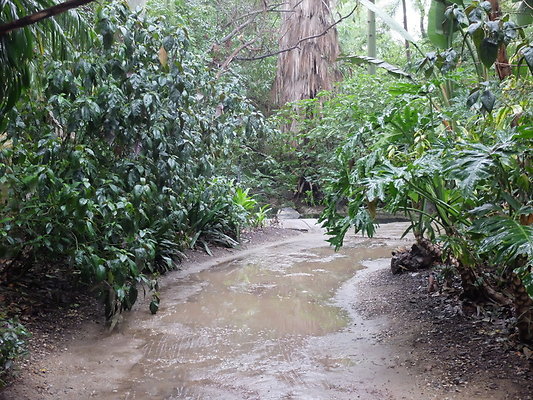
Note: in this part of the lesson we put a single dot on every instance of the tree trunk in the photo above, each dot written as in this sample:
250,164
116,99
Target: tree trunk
523,305
405,26
372,50
308,69
503,68
423,32
471,290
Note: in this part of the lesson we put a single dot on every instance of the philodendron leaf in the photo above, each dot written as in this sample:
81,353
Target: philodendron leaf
487,100
528,56
391,69
488,51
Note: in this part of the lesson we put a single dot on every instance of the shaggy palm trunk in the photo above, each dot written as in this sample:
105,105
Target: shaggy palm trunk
523,305
308,68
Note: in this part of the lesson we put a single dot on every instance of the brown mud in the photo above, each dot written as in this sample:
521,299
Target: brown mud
286,319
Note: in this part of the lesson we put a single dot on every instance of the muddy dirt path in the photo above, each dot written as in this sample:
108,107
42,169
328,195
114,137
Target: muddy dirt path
278,321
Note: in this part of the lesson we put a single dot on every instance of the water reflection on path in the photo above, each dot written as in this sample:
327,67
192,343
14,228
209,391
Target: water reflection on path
268,326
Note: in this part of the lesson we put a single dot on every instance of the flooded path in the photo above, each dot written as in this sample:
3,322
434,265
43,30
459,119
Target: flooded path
277,321
273,325
274,322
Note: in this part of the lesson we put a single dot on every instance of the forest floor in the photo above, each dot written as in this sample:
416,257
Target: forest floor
417,344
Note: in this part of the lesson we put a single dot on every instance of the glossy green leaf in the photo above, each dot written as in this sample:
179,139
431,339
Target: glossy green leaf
437,33
488,52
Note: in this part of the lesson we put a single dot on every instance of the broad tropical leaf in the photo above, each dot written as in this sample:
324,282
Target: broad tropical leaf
437,33
388,20
506,237
474,165
391,69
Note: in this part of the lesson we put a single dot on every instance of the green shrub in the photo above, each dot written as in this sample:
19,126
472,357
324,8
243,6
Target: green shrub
13,337
111,171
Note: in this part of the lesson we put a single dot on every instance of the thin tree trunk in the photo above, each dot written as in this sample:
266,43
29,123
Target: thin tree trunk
503,68
405,26
423,32
372,50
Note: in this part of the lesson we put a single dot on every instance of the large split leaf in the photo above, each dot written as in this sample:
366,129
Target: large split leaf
437,32
388,20
391,69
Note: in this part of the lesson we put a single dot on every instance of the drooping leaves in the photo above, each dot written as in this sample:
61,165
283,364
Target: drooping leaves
488,51
391,69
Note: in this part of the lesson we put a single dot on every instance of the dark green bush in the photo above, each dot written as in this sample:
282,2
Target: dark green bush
112,171
13,337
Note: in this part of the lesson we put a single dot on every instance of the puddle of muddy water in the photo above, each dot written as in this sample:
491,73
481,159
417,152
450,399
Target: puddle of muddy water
276,324
265,327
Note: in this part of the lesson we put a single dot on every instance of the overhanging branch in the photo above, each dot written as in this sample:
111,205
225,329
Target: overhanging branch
40,15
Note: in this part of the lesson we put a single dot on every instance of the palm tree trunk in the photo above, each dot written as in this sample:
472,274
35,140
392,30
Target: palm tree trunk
523,305
308,68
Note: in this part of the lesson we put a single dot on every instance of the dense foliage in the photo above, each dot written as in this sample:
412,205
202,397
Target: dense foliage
12,344
453,153
112,167
296,160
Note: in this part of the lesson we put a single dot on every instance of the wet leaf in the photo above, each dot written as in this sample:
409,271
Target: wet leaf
487,100
528,56
488,51
154,306
473,98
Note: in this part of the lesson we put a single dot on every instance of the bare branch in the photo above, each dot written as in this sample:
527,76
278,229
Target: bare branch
238,29
297,44
232,56
40,15
266,8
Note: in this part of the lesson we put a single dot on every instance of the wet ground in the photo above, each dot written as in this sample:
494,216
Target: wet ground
274,322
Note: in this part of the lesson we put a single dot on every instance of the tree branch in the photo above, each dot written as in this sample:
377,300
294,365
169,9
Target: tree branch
40,15
275,53
266,7
232,56
251,18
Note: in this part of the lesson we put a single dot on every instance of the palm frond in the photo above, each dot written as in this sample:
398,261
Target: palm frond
54,37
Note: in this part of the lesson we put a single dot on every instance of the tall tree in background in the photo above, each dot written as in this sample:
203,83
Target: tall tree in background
405,26
308,68
372,48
